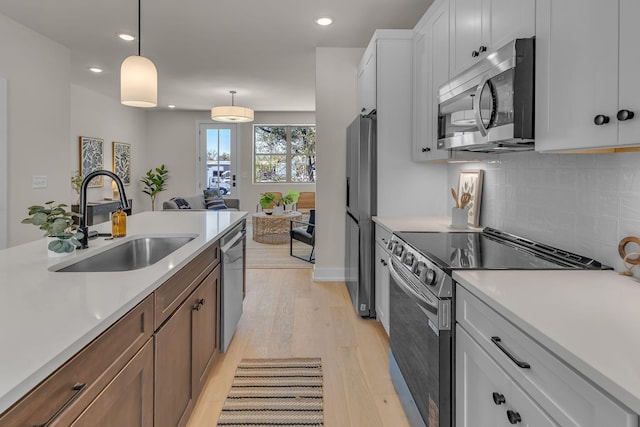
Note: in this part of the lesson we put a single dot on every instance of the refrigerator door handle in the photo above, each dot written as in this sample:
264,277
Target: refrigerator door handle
348,188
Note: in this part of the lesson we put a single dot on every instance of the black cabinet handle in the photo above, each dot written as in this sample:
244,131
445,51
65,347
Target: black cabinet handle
624,115
482,49
426,149
498,342
498,398
475,54
363,110
601,119
514,417
77,388
198,304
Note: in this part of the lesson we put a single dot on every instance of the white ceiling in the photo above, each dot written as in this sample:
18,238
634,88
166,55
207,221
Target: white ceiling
263,49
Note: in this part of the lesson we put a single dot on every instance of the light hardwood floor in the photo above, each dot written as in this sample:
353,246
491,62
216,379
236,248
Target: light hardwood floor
286,314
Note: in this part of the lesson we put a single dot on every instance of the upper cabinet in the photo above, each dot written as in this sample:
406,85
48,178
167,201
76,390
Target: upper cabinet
431,70
587,91
367,81
480,26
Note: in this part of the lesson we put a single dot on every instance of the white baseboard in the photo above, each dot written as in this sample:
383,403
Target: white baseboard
328,274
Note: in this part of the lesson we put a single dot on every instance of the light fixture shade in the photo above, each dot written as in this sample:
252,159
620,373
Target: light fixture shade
232,113
138,82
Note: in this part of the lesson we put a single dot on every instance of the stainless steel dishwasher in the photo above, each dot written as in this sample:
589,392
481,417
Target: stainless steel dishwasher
232,248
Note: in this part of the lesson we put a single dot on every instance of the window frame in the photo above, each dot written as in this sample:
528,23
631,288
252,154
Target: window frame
288,153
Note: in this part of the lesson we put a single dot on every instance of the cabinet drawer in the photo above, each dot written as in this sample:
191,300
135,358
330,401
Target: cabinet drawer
175,290
564,394
59,398
382,236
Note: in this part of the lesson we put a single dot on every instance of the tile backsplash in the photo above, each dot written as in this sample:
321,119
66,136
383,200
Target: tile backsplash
583,203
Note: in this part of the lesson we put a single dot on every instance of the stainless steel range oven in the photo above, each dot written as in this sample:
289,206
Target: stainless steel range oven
422,302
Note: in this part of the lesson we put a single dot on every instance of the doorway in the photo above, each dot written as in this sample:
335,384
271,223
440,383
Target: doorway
218,158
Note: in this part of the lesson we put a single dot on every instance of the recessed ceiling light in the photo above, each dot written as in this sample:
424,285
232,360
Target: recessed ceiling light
324,21
126,37
171,106
95,69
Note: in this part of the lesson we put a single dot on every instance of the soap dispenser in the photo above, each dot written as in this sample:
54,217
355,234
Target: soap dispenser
119,223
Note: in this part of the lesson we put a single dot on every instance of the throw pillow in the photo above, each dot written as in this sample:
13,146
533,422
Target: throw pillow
215,203
181,203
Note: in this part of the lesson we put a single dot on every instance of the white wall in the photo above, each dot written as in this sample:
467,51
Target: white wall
173,138
96,115
336,104
38,122
583,203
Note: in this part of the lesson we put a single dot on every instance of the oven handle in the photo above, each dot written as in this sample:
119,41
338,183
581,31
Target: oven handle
422,300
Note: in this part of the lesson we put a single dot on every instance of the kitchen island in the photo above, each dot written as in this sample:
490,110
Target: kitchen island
47,317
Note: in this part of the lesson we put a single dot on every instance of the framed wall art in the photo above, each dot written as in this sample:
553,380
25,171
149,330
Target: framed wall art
92,159
470,181
121,161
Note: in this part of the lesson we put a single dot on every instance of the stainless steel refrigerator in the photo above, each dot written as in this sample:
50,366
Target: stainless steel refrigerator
361,206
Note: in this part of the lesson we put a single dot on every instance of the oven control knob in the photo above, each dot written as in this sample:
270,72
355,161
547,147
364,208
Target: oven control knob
418,269
391,244
398,250
408,259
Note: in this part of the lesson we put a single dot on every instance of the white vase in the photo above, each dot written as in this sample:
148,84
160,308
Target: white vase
278,210
459,218
53,254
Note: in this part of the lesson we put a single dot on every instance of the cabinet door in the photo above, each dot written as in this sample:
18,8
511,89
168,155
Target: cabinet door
174,398
367,81
485,395
431,69
205,328
576,74
128,399
466,33
629,130
382,286
506,20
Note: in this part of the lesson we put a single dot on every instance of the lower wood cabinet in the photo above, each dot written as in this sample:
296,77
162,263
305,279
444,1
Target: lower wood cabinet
185,346
128,399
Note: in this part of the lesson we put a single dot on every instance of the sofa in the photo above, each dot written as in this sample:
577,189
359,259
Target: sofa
196,203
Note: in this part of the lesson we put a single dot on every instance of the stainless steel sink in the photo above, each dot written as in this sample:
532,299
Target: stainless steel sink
139,252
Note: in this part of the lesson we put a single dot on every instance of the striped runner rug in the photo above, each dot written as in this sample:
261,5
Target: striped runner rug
275,392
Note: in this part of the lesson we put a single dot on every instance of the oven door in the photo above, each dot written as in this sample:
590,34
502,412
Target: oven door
421,344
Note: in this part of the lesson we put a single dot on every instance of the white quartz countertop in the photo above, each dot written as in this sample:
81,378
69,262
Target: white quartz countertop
419,223
589,319
46,317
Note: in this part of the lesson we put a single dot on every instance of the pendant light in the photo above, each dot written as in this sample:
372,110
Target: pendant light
232,113
138,78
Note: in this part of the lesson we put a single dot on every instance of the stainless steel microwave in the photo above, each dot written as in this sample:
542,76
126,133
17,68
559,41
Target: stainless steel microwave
490,106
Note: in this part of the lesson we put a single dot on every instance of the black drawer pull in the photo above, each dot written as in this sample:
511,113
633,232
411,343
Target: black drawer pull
514,417
498,342
498,398
198,304
77,388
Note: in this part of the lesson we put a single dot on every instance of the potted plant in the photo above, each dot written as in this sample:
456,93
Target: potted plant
266,200
58,225
154,182
289,198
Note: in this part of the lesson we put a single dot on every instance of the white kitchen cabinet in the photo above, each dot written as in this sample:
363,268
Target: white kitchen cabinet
382,276
585,78
485,395
431,70
568,398
480,26
367,81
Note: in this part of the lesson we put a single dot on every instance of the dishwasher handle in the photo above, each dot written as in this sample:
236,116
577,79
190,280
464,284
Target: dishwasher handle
240,235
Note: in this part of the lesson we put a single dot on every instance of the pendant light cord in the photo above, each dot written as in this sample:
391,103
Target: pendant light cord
139,27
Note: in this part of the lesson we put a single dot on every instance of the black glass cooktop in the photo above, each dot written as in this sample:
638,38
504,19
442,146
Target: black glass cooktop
493,250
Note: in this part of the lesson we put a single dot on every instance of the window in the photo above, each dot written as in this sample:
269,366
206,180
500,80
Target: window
284,153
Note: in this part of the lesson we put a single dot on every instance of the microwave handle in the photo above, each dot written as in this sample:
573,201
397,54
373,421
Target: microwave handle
476,107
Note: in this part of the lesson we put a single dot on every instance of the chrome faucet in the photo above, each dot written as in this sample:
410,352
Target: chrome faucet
82,208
